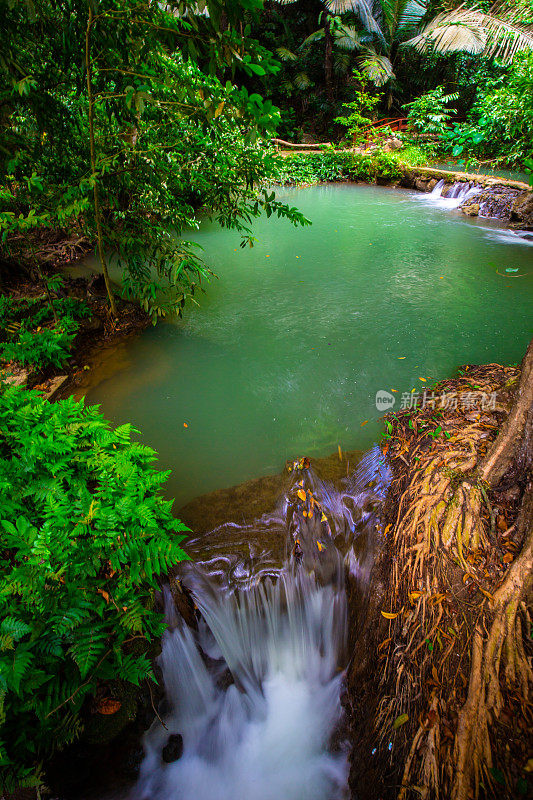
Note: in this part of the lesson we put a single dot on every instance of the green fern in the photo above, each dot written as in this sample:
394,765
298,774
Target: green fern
84,533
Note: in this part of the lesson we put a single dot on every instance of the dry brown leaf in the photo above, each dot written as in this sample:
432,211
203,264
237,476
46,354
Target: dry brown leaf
107,705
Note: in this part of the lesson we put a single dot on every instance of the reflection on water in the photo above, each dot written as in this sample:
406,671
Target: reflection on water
288,348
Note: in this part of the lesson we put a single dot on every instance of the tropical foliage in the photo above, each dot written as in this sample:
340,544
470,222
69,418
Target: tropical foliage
84,534
430,113
335,165
128,123
39,334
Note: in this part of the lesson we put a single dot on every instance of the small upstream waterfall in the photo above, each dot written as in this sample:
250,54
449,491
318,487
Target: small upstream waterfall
253,693
456,196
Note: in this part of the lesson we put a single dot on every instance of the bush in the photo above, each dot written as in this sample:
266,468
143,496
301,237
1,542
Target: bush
84,534
27,342
500,124
338,165
41,349
429,113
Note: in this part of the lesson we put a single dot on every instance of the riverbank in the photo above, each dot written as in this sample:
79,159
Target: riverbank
494,198
93,331
440,680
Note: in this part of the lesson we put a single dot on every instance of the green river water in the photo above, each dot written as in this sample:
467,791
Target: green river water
287,349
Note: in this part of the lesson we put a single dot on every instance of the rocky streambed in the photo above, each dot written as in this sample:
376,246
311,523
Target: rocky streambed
483,195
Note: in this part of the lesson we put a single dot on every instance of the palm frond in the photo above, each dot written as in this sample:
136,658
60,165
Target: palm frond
347,38
363,8
411,15
314,37
376,67
285,54
497,34
341,62
302,81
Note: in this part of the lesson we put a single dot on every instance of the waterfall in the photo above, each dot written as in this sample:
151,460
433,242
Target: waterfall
253,694
456,195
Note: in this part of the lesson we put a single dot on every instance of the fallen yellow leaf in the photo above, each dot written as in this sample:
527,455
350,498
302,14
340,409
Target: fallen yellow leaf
388,615
399,721
301,494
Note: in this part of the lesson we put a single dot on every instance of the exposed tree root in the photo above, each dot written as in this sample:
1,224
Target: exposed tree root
461,582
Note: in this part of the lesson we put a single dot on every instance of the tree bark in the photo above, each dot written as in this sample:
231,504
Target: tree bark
328,59
514,440
97,209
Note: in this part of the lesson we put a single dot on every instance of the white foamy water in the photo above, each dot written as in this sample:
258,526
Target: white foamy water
266,736
456,196
511,237
253,694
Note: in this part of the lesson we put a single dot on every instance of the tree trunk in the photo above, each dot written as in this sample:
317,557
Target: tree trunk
513,445
97,209
498,657
328,59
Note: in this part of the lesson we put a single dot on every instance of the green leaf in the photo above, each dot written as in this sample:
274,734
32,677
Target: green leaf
399,721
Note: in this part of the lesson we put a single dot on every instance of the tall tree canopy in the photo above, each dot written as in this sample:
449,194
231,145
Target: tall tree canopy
128,117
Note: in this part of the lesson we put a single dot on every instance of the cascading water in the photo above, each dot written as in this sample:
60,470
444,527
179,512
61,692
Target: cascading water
456,196
253,693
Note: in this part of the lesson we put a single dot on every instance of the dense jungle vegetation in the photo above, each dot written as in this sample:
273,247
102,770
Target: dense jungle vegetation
121,121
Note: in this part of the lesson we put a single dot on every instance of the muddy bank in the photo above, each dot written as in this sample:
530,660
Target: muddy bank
98,335
440,683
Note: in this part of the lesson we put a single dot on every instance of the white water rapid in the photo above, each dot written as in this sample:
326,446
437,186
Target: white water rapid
253,694
456,195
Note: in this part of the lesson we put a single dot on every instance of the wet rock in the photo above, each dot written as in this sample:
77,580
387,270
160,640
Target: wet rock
522,210
173,750
431,184
54,386
470,209
421,184
496,202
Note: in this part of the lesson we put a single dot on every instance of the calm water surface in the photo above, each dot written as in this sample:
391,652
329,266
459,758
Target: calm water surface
289,346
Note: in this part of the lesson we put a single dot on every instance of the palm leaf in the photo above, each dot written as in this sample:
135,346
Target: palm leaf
314,37
285,54
500,33
363,8
376,67
347,38
302,81
341,62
